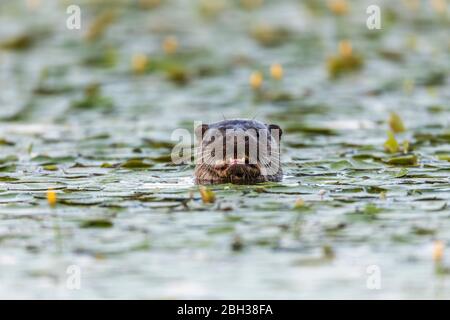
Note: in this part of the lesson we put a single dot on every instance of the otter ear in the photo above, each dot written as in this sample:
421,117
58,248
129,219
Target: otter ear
275,129
200,131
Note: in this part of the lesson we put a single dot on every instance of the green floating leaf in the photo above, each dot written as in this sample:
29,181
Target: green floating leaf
18,42
178,75
97,223
309,130
93,99
433,138
7,179
421,231
4,142
8,159
401,173
361,164
46,160
339,165
166,158
270,35
104,58
7,168
157,144
136,164
106,165
432,78
407,160
444,157
221,230
371,209
51,167
374,189
99,136
339,65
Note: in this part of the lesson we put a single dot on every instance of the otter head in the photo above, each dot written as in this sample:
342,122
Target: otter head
238,151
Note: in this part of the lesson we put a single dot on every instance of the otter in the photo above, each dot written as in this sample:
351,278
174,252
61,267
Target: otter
238,151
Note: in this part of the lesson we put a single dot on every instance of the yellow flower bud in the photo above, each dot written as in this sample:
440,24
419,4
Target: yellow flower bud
149,4
396,123
438,250
276,71
440,6
251,4
256,80
345,48
51,198
208,196
391,144
33,4
170,45
139,62
299,203
339,7
412,4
